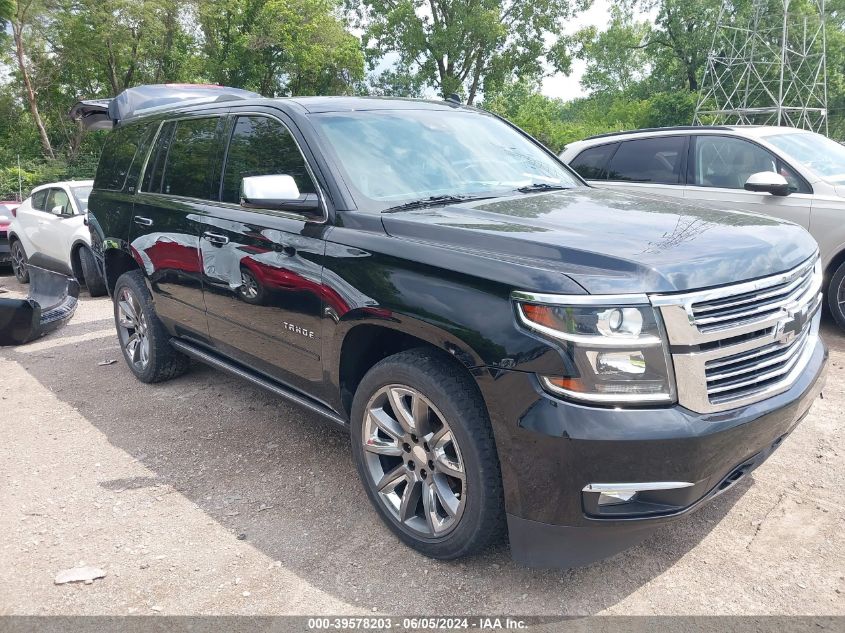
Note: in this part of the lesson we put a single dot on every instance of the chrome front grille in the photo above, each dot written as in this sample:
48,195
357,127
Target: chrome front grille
753,371
736,345
756,305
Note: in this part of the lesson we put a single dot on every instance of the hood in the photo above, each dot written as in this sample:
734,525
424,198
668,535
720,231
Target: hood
610,242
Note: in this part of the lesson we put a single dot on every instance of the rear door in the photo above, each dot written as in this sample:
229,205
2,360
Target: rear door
653,165
262,268
720,165
178,182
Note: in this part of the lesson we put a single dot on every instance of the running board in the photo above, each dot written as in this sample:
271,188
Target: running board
217,362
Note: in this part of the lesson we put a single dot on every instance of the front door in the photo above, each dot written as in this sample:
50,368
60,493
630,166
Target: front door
261,268
719,167
167,218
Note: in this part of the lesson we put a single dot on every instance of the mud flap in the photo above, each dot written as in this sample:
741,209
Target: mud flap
51,303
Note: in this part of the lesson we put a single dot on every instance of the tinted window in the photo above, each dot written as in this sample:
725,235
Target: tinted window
590,163
118,154
191,159
261,146
722,161
155,163
39,200
655,160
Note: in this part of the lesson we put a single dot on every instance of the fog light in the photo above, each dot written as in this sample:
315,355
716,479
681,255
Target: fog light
612,497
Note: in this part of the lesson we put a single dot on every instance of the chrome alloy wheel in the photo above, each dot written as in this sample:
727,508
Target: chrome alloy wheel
18,260
132,329
413,461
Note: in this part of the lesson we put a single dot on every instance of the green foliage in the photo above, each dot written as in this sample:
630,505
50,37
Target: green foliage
638,73
556,123
464,46
279,47
97,48
37,172
616,57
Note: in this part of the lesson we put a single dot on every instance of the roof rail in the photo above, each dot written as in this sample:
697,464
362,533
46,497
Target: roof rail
103,114
662,129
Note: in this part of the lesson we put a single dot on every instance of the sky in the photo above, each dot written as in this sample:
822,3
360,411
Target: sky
566,87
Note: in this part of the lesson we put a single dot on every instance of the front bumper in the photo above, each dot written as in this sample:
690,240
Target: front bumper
51,303
559,448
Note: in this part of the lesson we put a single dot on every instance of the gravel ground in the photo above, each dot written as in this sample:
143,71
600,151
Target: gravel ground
205,495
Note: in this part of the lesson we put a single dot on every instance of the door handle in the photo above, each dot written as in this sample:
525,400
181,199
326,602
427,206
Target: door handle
142,221
216,238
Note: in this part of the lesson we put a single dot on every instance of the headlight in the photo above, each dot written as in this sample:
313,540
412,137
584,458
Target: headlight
616,352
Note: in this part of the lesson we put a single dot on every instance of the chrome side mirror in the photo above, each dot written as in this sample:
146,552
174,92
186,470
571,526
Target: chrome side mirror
277,191
767,182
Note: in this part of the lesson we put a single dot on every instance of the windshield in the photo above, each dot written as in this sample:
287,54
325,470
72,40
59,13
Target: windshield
820,154
395,156
81,195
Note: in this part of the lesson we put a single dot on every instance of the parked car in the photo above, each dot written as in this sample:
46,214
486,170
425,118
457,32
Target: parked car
7,208
51,224
783,172
509,348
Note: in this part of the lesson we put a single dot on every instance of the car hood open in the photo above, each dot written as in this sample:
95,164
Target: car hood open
612,243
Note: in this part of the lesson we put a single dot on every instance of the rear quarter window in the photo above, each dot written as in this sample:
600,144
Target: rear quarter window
119,154
590,164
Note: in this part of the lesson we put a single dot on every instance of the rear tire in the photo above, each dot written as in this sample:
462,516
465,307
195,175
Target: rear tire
836,296
19,262
91,272
144,340
434,477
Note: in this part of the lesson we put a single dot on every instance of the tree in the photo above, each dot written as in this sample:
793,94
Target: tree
681,37
464,46
23,13
279,47
616,57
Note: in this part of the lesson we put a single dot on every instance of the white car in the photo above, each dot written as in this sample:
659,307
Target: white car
783,172
50,227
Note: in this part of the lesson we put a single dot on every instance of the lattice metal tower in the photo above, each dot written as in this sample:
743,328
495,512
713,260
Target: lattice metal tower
767,67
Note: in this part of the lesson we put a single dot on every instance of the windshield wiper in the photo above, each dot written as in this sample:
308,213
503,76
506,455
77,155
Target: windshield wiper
433,201
541,186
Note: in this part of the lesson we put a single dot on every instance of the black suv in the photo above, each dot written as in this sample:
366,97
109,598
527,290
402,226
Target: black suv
511,350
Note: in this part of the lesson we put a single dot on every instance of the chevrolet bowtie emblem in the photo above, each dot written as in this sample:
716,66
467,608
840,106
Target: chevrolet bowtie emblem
791,326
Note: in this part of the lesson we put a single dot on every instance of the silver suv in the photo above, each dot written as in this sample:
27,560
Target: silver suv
783,172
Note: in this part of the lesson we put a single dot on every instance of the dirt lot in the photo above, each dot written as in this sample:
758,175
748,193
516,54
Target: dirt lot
206,495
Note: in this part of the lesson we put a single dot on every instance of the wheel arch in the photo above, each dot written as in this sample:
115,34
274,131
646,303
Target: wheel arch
834,263
75,263
362,343
117,261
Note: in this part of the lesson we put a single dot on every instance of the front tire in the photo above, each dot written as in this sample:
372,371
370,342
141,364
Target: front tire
836,296
91,272
143,338
424,449
20,262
